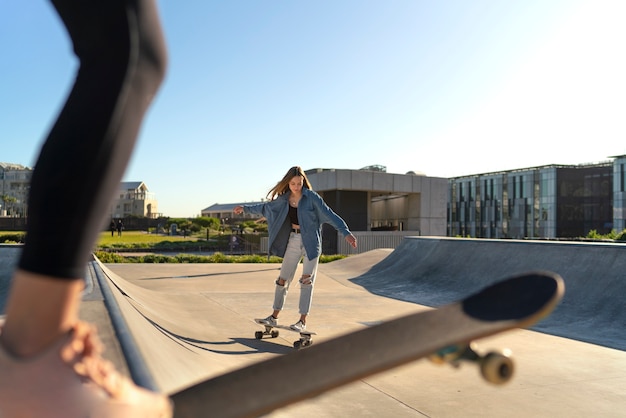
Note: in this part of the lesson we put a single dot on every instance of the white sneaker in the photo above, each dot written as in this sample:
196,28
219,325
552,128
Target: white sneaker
298,326
271,321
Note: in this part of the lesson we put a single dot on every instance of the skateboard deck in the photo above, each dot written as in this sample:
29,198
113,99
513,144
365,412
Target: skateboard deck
445,335
272,331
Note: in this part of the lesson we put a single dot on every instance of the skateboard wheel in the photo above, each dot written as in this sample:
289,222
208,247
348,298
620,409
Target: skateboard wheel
274,334
297,344
497,368
258,335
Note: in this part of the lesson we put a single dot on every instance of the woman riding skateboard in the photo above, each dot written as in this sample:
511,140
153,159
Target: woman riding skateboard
295,214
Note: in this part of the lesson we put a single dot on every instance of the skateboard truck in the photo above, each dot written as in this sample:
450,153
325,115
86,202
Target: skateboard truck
495,367
268,331
304,341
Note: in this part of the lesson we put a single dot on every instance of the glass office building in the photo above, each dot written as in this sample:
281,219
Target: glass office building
619,192
553,201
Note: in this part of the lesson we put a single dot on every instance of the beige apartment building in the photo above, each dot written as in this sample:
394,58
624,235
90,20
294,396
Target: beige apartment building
14,187
134,199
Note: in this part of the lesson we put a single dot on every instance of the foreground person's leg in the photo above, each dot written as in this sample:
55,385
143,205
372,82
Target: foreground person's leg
50,362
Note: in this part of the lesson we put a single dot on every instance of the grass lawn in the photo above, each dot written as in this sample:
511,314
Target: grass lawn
138,237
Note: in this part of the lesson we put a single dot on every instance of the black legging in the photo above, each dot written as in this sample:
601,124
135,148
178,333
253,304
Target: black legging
122,60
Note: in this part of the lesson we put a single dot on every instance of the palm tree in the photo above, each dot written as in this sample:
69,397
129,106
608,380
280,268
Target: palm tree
8,200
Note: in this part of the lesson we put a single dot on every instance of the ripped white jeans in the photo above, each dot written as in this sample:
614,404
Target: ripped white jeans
294,253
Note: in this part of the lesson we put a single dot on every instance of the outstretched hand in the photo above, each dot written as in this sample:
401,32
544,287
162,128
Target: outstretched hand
351,239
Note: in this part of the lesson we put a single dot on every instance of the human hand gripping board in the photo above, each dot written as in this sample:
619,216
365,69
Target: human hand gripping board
444,335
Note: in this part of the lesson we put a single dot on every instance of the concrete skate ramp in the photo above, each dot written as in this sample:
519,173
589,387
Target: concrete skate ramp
436,271
193,326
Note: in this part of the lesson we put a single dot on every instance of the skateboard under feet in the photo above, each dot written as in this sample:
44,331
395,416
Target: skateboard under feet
271,331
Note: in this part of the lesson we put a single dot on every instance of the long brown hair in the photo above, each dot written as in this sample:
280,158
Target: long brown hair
282,186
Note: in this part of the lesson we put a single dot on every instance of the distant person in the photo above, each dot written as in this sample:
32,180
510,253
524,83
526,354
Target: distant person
120,227
50,362
295,214
112,227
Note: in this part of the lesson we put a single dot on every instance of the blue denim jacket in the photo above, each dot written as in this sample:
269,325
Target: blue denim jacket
312,213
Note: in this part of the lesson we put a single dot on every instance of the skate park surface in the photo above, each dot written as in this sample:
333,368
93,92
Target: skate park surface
190,322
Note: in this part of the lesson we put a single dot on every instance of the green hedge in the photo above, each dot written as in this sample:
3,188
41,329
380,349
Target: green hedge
12,238
109,257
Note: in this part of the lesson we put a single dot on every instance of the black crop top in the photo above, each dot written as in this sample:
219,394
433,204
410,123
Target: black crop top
293,215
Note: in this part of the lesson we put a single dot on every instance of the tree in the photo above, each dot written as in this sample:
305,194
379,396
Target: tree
207,222
8,202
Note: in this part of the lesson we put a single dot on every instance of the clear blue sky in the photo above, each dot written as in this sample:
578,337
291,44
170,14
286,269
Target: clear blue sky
447,88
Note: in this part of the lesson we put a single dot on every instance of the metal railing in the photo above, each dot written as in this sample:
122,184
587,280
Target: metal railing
366,241
371,240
